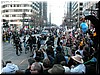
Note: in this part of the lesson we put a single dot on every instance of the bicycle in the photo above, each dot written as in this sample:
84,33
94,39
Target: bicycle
27,47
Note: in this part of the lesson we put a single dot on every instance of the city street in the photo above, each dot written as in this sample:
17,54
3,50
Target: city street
9,53
63,32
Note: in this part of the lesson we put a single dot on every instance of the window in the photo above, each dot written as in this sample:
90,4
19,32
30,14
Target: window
15,10
26,5
17,5
11,10
11,24
13,15
10,5
18,15
14,5
20,10
3,6
7,20
7,15
81,4
22,5
3,11
6,10
7,5
81,8
31,10
11,20
30,5
80,13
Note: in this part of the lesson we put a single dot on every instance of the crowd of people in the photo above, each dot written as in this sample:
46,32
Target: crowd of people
74,53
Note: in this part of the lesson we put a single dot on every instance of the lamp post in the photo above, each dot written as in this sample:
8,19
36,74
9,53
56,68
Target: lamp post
23,15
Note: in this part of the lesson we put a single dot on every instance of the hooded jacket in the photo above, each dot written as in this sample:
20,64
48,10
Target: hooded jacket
10,68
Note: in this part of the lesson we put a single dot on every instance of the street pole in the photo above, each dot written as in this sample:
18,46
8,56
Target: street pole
23,15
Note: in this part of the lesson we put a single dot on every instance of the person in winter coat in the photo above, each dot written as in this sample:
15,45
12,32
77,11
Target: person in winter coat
10,68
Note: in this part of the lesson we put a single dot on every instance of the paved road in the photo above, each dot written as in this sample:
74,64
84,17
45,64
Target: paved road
9,53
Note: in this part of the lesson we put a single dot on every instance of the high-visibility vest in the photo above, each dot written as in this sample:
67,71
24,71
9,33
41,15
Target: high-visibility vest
94,34
81,43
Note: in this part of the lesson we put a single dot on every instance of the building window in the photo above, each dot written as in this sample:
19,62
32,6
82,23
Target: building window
80,13
20,10
10,5
31,10
7,15
7,5
17,5
3,6
11,20
81,4
11,24
81,8
7,20
13,15
6,10
3,15
14,5
3,11
22,5
26,5
11,10
15,10
30,5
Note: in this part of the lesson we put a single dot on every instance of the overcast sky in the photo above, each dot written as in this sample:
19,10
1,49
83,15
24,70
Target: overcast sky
56,8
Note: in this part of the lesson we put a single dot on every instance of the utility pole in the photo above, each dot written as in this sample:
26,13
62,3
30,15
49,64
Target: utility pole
50,18
23,15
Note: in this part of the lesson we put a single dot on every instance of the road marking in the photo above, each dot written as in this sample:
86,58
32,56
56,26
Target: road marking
22,61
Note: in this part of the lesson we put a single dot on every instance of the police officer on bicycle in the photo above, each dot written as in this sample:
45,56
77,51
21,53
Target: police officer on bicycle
18,45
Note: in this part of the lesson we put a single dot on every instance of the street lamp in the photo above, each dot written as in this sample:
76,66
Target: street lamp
23,15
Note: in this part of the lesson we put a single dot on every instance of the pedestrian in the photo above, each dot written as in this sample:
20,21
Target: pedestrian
46,66
10,68
38,43
18,45
78,66
57,69
24,41
59,56
67,69
30,43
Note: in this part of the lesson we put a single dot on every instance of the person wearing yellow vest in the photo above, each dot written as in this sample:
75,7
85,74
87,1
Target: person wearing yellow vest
94,34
